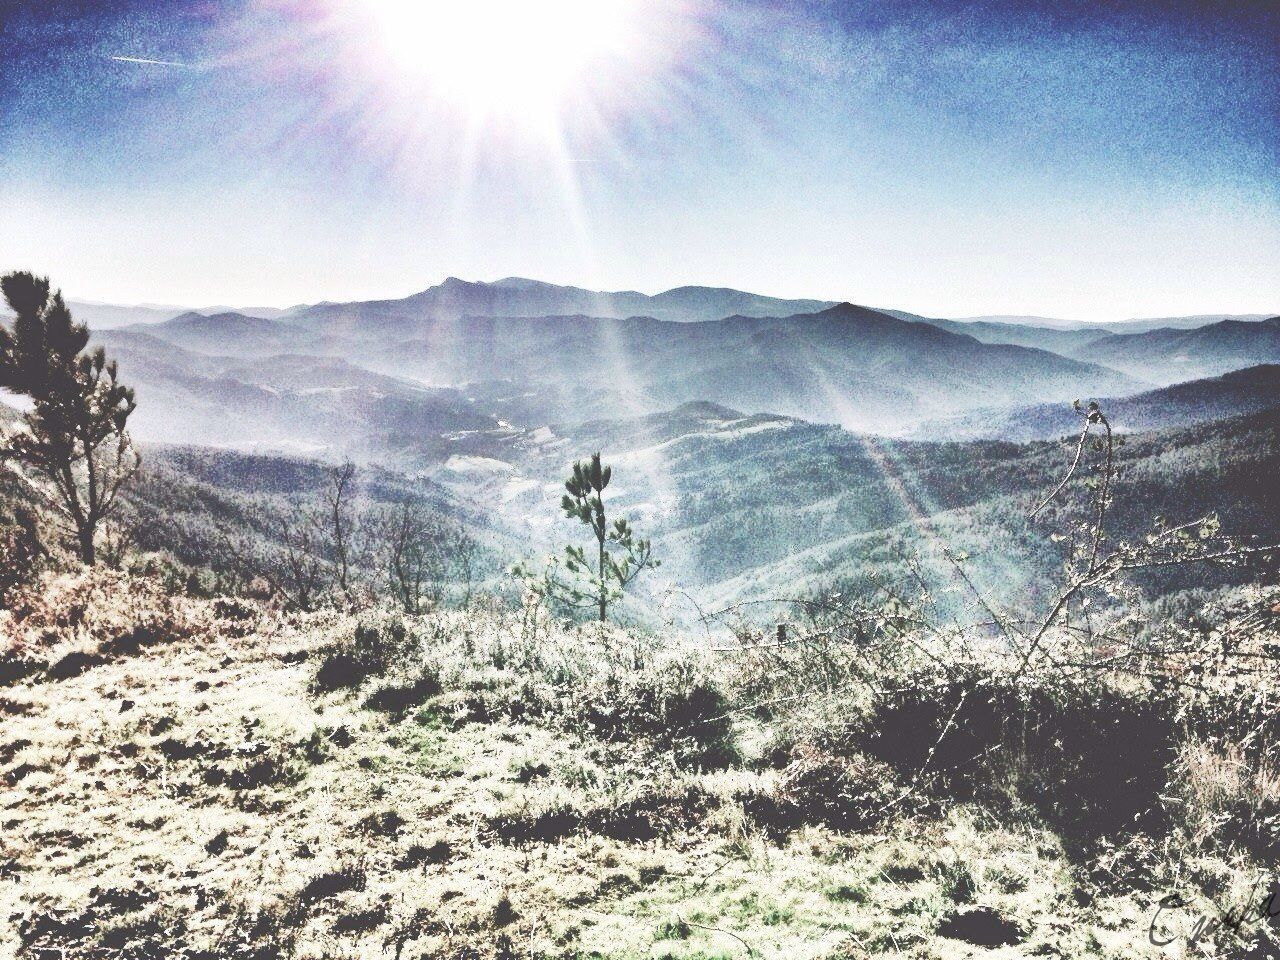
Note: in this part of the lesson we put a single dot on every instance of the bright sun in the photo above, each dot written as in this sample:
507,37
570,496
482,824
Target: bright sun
502,54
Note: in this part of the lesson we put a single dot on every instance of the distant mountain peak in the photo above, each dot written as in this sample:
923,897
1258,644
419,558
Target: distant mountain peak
705,409
193,318
455,298
847,309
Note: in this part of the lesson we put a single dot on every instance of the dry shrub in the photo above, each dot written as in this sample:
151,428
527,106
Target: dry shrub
22,549
673,706
122,922
72,622
1091,756
602,683
109,610
324,886
379,642
850,792
662,808
1226,797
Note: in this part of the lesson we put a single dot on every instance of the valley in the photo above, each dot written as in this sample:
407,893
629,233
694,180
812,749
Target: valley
765,456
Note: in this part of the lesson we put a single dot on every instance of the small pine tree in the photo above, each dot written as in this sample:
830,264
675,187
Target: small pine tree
613,570
73,438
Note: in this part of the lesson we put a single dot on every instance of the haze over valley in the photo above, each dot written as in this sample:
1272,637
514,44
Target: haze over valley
707,400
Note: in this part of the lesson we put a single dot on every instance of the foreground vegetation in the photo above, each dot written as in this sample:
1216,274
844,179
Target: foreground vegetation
207,777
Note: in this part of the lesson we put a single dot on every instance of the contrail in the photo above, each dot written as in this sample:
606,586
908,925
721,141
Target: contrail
157,63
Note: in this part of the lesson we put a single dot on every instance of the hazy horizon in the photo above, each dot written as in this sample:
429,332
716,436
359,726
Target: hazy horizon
1084,160
73,297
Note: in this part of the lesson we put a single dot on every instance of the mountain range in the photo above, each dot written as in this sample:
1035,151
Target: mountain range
522,297
1169,355
423,377
108,316
519,297
764,444
844,364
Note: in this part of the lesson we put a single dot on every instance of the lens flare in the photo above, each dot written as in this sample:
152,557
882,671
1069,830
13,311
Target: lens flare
502,54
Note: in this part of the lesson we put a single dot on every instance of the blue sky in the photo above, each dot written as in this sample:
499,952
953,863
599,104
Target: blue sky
1094,160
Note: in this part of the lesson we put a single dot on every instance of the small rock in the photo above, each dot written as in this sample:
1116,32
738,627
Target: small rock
126,706
218,844
202,686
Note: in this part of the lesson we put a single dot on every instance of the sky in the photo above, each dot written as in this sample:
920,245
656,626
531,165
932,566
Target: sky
1088,160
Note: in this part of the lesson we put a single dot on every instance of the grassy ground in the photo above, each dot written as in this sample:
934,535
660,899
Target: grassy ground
199,795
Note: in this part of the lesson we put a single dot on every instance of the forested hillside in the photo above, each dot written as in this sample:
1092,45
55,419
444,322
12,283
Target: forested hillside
738,507
1196,401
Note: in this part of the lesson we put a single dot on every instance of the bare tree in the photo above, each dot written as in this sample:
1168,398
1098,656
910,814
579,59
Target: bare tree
1097,565
342,522
298,570
463,550
423,552
283,549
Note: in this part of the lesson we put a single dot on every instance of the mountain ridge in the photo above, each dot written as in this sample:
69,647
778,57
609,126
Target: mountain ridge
1170,355
455,298
1237,393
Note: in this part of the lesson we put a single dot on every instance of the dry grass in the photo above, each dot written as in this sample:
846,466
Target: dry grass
200,796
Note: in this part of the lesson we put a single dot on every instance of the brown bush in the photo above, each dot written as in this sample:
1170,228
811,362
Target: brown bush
850,792
101,613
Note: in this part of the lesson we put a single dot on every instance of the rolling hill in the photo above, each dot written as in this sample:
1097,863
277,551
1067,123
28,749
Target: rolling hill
1062,340
285,402
1183,404
755,506
1169,355
226,334
1145,324
110,316
845,364
744,507
1067,337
